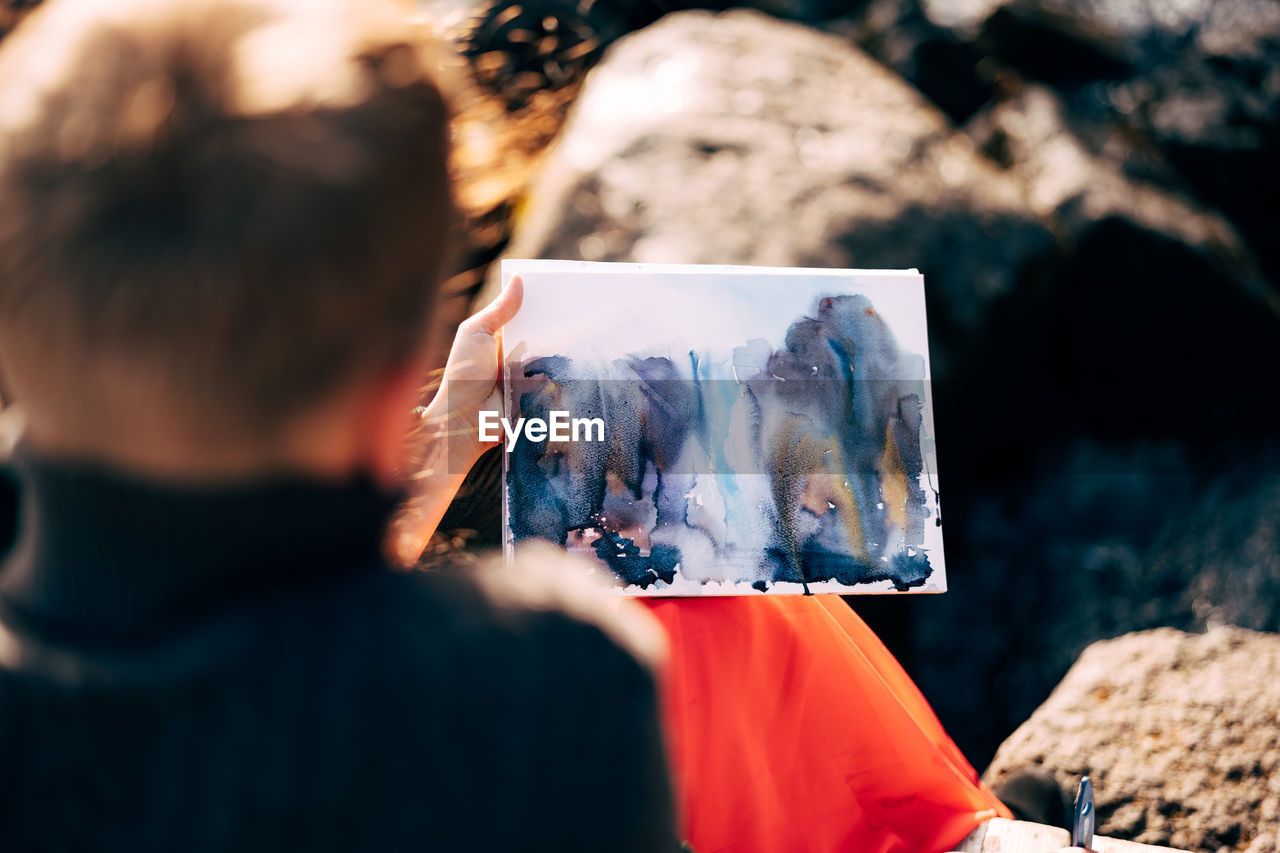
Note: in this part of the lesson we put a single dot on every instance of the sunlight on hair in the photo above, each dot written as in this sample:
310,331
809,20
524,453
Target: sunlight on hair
277,69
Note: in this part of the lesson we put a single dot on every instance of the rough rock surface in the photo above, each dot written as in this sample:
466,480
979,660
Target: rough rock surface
1223,557
1074,187
1186,93
736,138
1203,91
1180,733
1160,270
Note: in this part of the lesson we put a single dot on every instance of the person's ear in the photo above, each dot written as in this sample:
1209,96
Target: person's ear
389,419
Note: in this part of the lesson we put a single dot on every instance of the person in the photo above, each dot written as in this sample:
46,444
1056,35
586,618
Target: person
222,228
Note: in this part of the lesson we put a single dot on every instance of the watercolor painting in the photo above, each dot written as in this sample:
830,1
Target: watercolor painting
764,430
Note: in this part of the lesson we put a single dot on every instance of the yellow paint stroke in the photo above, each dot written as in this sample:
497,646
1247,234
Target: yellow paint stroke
840,494
809,473
895,490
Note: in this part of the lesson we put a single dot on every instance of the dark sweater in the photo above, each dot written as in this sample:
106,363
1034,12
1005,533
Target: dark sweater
236,670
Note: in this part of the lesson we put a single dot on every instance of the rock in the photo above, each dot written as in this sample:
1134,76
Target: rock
735,138
945,64
1206,94
1223,556
1054,45
1218,122
1139,33
1067,42
1179,732
961,54
1074,188
1187,93
1152,270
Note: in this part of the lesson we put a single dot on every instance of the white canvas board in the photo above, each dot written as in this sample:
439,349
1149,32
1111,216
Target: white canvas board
739,429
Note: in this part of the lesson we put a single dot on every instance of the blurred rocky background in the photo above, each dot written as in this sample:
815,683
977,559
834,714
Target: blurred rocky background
1092,192
1090,188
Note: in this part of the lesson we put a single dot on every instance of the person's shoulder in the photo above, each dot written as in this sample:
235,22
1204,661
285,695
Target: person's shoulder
543,603
525,686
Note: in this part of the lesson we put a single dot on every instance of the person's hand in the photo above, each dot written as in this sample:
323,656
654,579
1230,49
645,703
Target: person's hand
470,381
447,444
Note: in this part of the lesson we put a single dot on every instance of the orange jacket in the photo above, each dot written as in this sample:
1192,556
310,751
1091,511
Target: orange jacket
792,728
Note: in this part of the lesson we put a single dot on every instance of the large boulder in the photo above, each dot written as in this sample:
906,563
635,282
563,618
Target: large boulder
737,138
1168,293
1029,134
1179,732
1203,89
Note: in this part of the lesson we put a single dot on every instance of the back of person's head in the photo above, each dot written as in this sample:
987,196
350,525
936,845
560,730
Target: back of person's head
216,217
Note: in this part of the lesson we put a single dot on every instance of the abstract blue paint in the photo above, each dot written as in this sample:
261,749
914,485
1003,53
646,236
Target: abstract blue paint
734,461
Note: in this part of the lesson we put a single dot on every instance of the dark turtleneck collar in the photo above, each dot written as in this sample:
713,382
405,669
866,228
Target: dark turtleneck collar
105,556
